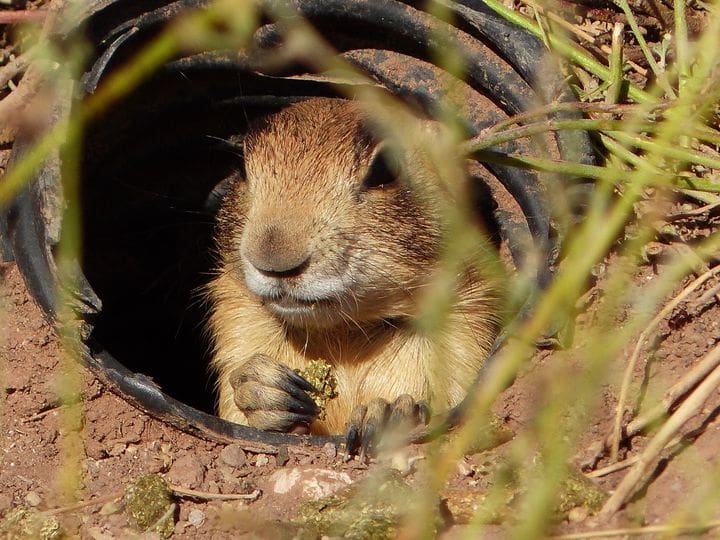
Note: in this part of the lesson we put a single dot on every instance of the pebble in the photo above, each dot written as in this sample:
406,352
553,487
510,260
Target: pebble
577,514
196,517
261,460
186,471
118,449
308,483
233,455
400,462
112,507
282,457
33,499
464,468
330,450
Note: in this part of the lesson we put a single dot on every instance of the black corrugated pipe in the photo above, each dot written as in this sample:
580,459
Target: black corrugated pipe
153,163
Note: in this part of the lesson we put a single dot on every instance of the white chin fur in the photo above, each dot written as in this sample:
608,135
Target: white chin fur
306,289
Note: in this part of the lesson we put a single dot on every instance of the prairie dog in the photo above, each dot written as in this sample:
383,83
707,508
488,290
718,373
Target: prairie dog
326,250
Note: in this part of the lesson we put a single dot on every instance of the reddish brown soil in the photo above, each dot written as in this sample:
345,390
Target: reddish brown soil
121,443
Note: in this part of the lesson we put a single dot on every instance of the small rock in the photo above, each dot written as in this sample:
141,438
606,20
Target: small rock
375,507
117,449
212,487
330,450
233,455
33,499
261,460
577,514
464,468
112,507
196,517
186,471
282,457
400,462
310,483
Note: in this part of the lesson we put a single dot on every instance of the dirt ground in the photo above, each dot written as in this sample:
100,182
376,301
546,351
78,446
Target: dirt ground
120,443
244,491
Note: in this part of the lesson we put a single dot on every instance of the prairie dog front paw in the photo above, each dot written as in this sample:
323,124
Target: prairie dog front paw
272,396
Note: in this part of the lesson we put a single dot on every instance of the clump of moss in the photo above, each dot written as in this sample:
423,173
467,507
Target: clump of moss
502,483
578,490
320,374
28,523
372,508
149,505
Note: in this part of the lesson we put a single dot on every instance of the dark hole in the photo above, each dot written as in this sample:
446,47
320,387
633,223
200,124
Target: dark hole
148,201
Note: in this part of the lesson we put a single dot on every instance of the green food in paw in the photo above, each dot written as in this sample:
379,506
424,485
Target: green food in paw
150,505
320,374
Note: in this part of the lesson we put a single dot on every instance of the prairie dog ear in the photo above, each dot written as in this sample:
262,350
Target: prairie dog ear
216,196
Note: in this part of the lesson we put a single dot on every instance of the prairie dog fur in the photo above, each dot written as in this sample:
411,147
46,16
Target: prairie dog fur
326,252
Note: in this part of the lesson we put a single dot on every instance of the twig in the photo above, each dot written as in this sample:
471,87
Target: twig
681,43
660,74
40,415
13,68
619,466
629,462
560,21
637,67
85,504
177,490
573,28
22,16
713,292
569,50
687,410
667,151
679,389
693,213
627,378
638,531
614,91
28,87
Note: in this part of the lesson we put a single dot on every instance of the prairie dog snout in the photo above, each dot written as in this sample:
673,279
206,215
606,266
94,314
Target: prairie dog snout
326,249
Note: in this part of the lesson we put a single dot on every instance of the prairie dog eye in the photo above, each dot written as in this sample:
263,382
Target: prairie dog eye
384,170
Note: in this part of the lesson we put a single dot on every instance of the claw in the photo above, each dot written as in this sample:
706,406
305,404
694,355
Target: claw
403,412
352,441
272,396
423,412
353,431
300,381
368,425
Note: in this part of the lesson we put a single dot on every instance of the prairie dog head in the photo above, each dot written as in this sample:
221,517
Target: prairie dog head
330,227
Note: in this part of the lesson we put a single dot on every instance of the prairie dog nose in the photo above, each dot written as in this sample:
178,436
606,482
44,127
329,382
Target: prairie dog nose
273,250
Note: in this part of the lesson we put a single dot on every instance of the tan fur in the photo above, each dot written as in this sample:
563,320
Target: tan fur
376,251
